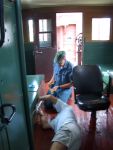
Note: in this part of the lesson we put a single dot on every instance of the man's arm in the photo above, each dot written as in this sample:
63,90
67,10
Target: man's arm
58,146
51,81
49,97
64,86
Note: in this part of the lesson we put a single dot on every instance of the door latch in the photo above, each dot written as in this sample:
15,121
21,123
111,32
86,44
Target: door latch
6,119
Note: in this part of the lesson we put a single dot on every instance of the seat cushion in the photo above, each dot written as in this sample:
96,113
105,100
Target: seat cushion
92,102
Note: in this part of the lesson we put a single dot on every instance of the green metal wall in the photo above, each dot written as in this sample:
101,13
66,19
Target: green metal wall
98,53
11,82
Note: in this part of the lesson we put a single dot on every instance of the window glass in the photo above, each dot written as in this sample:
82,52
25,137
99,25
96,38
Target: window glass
101,28
45,33
31,32
45,39
45,25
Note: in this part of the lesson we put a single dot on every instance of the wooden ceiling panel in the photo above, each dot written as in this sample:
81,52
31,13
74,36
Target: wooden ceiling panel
43,3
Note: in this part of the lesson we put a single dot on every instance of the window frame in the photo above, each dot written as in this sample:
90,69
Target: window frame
45,32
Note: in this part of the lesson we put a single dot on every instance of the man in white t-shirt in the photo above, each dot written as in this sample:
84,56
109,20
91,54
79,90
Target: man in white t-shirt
67,131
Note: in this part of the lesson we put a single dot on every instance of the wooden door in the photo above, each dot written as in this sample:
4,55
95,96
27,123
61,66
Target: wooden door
45,45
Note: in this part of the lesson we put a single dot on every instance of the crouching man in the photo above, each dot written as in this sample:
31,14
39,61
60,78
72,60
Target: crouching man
67,132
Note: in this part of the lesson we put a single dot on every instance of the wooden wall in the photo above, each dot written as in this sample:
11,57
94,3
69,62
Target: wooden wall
94,52
88,13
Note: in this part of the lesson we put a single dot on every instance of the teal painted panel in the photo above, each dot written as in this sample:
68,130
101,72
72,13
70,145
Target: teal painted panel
34,81
3,143
33,85
106,70
98,53
11,83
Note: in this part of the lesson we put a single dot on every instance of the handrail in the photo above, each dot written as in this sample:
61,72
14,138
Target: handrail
2,30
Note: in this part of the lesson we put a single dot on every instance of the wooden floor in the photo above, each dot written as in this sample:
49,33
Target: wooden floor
97,134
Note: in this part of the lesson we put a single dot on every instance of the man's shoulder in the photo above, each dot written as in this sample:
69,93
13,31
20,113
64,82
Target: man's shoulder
56,66
69,64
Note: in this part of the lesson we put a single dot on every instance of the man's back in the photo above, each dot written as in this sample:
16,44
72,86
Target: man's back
67,131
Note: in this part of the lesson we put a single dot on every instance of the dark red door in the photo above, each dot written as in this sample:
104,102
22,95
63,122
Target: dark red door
45,45
44,62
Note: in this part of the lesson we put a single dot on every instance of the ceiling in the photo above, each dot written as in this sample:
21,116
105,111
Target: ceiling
43,3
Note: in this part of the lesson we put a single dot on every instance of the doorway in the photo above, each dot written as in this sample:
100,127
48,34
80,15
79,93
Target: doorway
68,26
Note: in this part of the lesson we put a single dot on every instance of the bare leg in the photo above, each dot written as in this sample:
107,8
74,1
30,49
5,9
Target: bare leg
58,146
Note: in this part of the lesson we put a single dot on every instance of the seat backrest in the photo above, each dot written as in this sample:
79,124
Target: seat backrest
87,79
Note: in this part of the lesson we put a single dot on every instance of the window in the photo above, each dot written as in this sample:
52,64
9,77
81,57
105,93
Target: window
45,33
31,32
101,28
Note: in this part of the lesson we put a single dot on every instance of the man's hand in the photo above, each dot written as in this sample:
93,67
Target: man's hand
54,89
50,83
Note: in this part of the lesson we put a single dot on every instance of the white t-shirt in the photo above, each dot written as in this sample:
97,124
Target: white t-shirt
65,115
